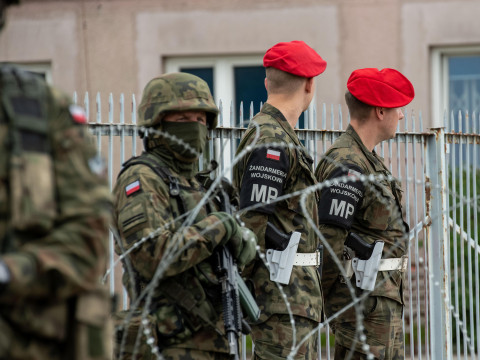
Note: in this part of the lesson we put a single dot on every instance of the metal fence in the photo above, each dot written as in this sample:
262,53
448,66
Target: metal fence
438,170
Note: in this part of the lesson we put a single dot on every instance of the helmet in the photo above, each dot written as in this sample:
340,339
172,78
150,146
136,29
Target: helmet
175,92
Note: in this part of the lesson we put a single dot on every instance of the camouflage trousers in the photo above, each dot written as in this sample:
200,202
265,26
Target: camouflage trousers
273,338
131,343
383,329
16,346
192,354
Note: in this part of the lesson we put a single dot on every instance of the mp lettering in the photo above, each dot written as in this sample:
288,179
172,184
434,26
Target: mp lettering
341,208
263,193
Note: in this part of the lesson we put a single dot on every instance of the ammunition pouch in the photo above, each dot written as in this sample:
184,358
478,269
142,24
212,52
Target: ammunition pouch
193,302
182,309
32,192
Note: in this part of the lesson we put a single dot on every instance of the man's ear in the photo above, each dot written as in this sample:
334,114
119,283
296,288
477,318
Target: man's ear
309,85
379,112
266,85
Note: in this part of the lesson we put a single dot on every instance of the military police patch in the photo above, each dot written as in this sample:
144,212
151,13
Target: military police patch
340,200
264,178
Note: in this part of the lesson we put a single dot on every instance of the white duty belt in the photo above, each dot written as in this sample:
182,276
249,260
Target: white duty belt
308,259
400,264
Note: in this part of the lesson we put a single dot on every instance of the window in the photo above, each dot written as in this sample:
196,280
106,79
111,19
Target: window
455,82
456,89
232,79
42,70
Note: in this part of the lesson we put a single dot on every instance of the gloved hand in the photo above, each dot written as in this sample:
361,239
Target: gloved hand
244,246
241,240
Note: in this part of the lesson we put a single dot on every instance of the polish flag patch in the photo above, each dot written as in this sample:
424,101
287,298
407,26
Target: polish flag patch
354,173
273,154
78,114
132,188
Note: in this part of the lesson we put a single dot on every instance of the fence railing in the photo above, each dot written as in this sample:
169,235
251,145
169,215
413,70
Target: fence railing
437,168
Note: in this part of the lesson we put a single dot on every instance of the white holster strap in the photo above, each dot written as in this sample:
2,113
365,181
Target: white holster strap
400,264
308,259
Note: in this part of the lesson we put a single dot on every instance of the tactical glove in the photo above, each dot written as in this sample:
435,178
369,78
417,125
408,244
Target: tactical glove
241,240
244,246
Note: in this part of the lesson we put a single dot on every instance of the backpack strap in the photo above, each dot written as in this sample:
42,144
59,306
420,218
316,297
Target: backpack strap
24,99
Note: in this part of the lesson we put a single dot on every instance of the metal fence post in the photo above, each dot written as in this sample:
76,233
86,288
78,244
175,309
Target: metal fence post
438,247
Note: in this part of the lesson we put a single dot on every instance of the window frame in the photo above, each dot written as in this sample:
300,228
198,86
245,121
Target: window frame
44,68
440,78
223,73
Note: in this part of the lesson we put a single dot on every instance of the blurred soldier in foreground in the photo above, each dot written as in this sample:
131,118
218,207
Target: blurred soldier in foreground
172,230
277,166
362,220
54,215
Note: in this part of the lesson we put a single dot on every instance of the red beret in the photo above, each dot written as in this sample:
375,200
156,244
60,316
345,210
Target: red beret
386,88
295,57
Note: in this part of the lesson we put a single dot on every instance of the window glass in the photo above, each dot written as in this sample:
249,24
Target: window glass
205,73
249,87
464,83
463,96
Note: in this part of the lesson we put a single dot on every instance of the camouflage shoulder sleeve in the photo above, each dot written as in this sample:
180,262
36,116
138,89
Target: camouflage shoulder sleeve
335,237
341,195
262,180
143,217
72,256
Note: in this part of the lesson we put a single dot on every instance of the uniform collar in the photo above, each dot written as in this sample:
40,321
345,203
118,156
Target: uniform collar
376,160
282,121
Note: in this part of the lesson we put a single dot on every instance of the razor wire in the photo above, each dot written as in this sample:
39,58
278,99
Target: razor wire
467,326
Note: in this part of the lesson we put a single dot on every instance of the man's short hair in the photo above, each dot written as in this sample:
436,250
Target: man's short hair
358,109
281,82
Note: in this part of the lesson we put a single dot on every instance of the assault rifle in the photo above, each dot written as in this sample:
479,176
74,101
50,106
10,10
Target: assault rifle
235,293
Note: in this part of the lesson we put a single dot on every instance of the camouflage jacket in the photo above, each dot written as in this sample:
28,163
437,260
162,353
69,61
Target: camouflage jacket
279,165
161,203
55,208
370,209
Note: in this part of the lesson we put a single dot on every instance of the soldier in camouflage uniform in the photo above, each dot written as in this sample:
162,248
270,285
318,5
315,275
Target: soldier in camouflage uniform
370,209
172,230
277,166
55,208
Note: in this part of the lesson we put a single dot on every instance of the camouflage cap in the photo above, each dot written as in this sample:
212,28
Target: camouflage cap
176,92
